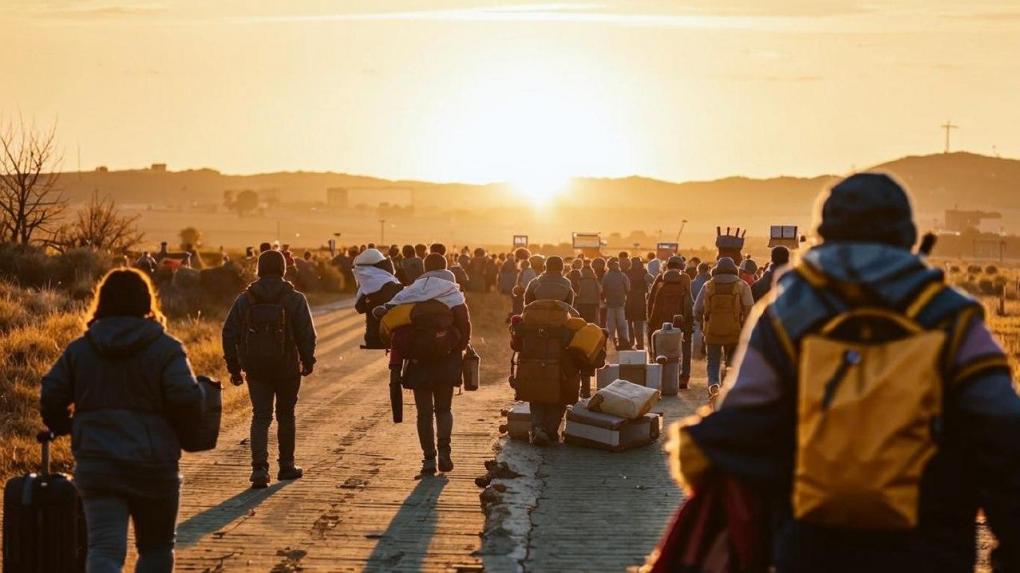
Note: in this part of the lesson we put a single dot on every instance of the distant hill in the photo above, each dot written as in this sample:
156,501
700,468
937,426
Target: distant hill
938,182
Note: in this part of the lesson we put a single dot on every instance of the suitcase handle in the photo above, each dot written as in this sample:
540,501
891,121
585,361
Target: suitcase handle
44,438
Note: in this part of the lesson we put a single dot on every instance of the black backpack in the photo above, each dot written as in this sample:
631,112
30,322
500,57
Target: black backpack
434,336
267,339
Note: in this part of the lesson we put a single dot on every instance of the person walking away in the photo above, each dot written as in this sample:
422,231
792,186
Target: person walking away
477,270
574,276
700,278
412,265
433,378
655,264
269,340
925,462
589,294
537,263
376,286
492,272
721,308
637,301
507,277
748,271
524,278
780,257
671,296
615,286
598,264
550,285
127,416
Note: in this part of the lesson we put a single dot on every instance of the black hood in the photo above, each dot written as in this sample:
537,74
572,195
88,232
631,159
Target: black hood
269,289
120,336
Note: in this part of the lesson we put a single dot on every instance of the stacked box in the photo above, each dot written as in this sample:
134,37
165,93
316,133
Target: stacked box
607,432
518,421
642,374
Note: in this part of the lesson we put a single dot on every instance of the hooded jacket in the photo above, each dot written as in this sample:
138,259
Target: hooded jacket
752,436
615,286
589,289
670,295
723,276
549,286
507,277
132,389
299,318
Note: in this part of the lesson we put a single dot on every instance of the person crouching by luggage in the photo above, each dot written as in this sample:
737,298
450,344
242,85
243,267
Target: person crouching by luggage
722,306
433,377
128,415
671,296
377,284
272,361
615,286
926,401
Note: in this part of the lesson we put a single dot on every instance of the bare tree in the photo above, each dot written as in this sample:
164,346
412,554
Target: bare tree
101,226
29,199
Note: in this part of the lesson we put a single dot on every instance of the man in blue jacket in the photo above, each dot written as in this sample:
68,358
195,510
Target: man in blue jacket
866,262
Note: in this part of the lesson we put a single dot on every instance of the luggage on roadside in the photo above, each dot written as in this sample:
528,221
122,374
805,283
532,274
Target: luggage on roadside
591,429
201,435
649,375
633,357
518,422
624,399
666,347
588,343
44,522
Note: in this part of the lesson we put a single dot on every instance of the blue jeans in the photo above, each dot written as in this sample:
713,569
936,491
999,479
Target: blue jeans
155,520
715,352
686,348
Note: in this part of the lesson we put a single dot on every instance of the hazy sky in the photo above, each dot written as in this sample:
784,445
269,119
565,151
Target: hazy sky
483,90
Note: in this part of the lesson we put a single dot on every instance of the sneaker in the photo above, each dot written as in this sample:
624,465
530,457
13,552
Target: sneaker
289,472
445,463
540,438
259,477
428,467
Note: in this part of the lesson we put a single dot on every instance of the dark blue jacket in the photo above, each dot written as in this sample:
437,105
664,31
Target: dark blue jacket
753,434
132,388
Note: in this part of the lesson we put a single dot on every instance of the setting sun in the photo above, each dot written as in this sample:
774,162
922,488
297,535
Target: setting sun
540,188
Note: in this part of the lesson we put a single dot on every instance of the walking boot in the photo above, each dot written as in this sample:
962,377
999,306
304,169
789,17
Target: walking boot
445,462
685,382
289,472
259,476
428,467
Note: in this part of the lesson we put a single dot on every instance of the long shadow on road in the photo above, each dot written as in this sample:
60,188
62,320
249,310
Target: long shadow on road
214,519
405,543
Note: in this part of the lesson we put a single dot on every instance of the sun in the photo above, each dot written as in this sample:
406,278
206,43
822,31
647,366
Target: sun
540,188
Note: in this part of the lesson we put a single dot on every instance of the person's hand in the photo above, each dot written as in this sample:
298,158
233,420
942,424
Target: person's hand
306,370
237,379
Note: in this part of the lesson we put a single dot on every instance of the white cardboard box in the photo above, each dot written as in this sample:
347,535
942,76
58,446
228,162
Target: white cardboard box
633,357
611,373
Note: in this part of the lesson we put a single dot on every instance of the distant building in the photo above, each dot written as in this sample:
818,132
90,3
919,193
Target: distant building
158,167
958,221
102,169
337,197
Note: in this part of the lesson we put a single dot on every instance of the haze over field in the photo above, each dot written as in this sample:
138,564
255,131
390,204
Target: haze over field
527,91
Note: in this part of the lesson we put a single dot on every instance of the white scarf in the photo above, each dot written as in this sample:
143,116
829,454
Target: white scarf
433,285
371,279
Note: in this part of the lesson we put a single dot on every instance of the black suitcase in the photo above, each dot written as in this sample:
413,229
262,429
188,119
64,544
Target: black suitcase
44,523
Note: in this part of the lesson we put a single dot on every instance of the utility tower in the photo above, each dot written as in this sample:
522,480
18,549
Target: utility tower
948,126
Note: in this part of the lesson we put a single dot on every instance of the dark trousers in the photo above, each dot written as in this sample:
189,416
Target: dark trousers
263,394
686,350
434,400
107,515
589,311
715,358
548,417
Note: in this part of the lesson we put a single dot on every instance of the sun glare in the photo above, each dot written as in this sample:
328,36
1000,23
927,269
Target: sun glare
540,189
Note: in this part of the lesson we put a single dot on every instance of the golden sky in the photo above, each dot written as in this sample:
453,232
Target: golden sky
483,91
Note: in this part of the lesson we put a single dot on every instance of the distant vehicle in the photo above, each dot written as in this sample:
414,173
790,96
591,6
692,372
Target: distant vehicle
785,236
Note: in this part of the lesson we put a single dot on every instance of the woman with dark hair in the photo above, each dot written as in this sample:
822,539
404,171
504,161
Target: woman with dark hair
132,391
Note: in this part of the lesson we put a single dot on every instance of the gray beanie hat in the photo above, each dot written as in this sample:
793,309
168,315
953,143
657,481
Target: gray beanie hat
725,266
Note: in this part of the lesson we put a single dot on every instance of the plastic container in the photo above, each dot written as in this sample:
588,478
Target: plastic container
471,369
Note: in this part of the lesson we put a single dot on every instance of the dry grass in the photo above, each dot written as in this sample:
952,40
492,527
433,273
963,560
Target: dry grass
35,327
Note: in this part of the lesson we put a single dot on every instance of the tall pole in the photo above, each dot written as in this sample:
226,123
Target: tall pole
948,126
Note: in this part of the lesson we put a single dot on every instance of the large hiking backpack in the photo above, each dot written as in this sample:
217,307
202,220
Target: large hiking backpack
669,302
267,338
724,310
435,336
541,369
869,405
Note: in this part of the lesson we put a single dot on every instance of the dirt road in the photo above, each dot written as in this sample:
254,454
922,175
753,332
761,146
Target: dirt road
358,506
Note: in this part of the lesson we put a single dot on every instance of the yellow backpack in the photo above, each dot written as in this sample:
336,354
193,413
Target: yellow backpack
724,311
395,318
869,402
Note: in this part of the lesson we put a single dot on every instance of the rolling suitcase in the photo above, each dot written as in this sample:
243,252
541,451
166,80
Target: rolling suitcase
518,422
44,523
607,432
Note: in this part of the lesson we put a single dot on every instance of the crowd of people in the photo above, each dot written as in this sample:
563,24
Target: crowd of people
125,388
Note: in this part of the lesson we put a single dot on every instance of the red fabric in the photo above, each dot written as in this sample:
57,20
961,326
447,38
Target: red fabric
721,520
